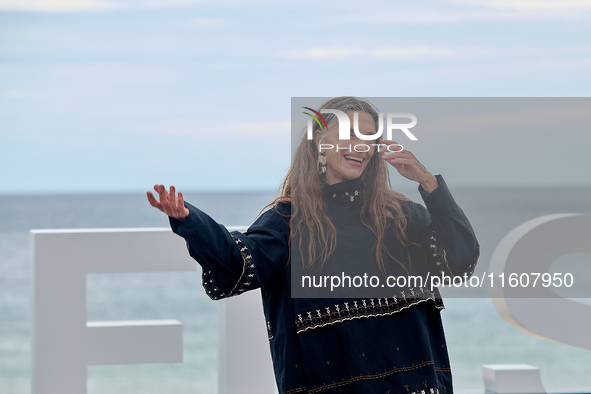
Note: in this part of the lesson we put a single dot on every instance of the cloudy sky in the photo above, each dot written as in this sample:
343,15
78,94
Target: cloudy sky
114,96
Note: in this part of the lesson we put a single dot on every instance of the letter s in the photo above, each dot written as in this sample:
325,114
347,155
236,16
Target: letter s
533,247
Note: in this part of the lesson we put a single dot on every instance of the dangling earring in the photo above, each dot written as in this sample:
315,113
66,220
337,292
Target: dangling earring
321,163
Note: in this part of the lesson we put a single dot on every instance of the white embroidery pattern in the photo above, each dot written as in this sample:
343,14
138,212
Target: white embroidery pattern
363,309
348,196
269,331
380,375
439,256
245,280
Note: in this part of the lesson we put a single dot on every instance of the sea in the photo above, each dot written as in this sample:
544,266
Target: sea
476,334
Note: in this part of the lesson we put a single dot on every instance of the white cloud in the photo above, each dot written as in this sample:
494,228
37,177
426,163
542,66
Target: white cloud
565,64
57,5
15,93
209,23
384,52
173,3
530,4
458,11
115,73
226,129
105,5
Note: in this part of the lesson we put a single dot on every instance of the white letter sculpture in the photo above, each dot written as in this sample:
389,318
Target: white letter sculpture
533,247
64,344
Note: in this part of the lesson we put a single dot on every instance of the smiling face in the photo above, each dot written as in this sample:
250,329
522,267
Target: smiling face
347,164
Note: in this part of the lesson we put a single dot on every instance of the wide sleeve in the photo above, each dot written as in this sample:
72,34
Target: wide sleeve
235,262
445,233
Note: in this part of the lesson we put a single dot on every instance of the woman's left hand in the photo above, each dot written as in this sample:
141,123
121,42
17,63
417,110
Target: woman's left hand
409,166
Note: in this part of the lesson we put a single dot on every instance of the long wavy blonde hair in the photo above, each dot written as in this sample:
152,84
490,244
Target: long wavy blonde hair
303,189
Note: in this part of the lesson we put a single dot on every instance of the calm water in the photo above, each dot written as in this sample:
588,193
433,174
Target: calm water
476,334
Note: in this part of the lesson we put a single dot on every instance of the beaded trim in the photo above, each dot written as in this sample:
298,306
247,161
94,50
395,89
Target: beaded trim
357,309
432,390
439,257
350,196
334,385
296,390
242,284
364,308
269,331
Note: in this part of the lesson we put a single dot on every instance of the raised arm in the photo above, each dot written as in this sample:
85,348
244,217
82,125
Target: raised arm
232,262
442,229
446,233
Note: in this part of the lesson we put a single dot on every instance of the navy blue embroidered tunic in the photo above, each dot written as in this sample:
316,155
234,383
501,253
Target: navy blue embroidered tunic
390,345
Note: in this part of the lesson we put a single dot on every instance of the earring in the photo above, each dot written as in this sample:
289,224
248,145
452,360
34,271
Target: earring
321,163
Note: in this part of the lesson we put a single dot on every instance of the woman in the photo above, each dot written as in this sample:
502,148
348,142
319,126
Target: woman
337,210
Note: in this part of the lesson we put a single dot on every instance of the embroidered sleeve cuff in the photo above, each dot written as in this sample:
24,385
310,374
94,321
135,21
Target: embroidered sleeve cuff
211,246
245,282
440,199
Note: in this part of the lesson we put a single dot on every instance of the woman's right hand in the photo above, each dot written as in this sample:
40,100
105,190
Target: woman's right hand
173,206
